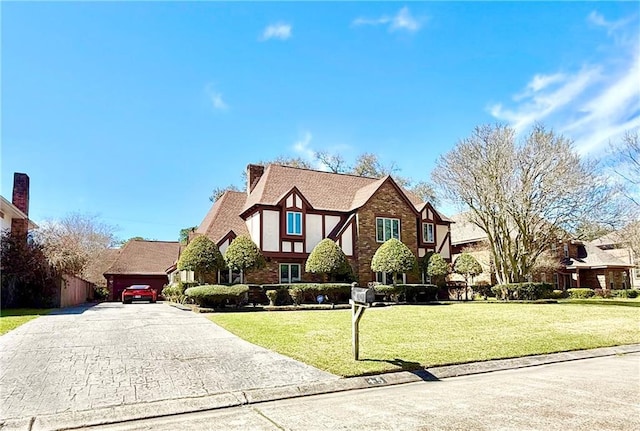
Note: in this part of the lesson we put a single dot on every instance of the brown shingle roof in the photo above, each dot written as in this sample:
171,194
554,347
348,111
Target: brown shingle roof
323,190
465,232
597,258
224,216
145,257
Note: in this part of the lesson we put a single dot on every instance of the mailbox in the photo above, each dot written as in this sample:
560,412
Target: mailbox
362,295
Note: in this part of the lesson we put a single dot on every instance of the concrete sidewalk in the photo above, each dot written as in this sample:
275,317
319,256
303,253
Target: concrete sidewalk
154,409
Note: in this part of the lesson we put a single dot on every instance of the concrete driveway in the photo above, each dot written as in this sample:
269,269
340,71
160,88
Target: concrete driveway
112,355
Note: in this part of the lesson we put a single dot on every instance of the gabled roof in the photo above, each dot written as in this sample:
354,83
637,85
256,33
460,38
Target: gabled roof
465,232
596,258
326,191
224,216
145,257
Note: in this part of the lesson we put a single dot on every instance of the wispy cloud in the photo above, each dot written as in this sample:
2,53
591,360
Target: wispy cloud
278,30
594,105
303,146
215,97
403,20
599,20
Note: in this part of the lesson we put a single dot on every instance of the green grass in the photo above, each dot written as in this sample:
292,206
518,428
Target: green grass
13,317
409,337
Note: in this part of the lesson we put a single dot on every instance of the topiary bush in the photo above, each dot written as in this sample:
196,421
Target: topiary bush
202,257
580,293
393,257
243,255
272,294
327,258
308,292
215,295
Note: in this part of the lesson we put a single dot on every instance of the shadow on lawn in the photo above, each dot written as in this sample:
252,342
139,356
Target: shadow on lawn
413,367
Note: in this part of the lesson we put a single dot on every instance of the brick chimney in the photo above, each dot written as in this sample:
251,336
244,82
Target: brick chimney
20,199
254,172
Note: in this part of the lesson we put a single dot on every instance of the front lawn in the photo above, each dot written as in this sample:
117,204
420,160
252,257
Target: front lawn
13,317
408,337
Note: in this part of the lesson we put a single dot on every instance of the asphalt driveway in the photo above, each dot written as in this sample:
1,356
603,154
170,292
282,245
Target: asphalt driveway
112,354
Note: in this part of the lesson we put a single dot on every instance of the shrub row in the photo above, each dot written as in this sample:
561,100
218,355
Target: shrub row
580,293
300,293
216,295
625,293
522,291
408,292
175,292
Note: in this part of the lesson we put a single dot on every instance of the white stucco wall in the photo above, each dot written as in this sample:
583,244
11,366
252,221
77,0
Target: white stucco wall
347,241
441,233
313,230
253,225
330,222
271,231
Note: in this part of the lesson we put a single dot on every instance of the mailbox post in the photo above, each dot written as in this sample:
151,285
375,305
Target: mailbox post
361,298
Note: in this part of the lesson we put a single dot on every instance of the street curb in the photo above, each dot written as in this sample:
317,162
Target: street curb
155,409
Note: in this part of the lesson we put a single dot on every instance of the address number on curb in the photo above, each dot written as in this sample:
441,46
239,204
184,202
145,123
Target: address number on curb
376,381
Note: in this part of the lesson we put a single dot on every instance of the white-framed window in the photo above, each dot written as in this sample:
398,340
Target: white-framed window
556,280
228,276
611,281
387,278
387,228
294,223
428,232
426,279
289,273
566,250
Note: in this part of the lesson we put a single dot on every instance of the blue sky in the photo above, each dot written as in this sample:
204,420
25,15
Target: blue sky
136,111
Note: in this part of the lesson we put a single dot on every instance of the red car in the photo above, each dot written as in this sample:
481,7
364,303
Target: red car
139,292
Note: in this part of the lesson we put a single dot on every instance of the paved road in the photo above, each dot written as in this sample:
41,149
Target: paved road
589,394
113,354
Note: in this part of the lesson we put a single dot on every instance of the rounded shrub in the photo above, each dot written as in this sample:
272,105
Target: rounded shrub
581,293
393,257
215,295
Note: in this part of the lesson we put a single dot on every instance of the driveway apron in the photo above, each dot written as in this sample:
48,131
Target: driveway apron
112,354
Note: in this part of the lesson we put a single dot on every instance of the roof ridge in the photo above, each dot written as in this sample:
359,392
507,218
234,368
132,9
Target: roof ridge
324,172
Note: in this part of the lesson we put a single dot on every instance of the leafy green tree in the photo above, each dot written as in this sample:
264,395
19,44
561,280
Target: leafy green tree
467,266
437,268
202,257
243,255
393,257
327,258
184,234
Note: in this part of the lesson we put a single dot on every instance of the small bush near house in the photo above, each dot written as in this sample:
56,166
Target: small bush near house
602,293
272,294
558,294
215,295
175,292
100,293
483,290
522,291
308,292
625,293
580,293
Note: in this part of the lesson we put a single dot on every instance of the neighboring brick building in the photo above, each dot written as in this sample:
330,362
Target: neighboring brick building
287,211
580,264
141,262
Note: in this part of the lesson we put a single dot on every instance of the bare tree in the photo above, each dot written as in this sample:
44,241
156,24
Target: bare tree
523,195
625,160
334,162
217,192
74,241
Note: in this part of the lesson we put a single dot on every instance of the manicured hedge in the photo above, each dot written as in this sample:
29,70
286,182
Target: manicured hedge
175,292
307,292
625,293
522,291
580,293
215,295
408,292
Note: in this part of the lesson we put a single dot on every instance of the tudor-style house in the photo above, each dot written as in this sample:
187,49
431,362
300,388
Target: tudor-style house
287,211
